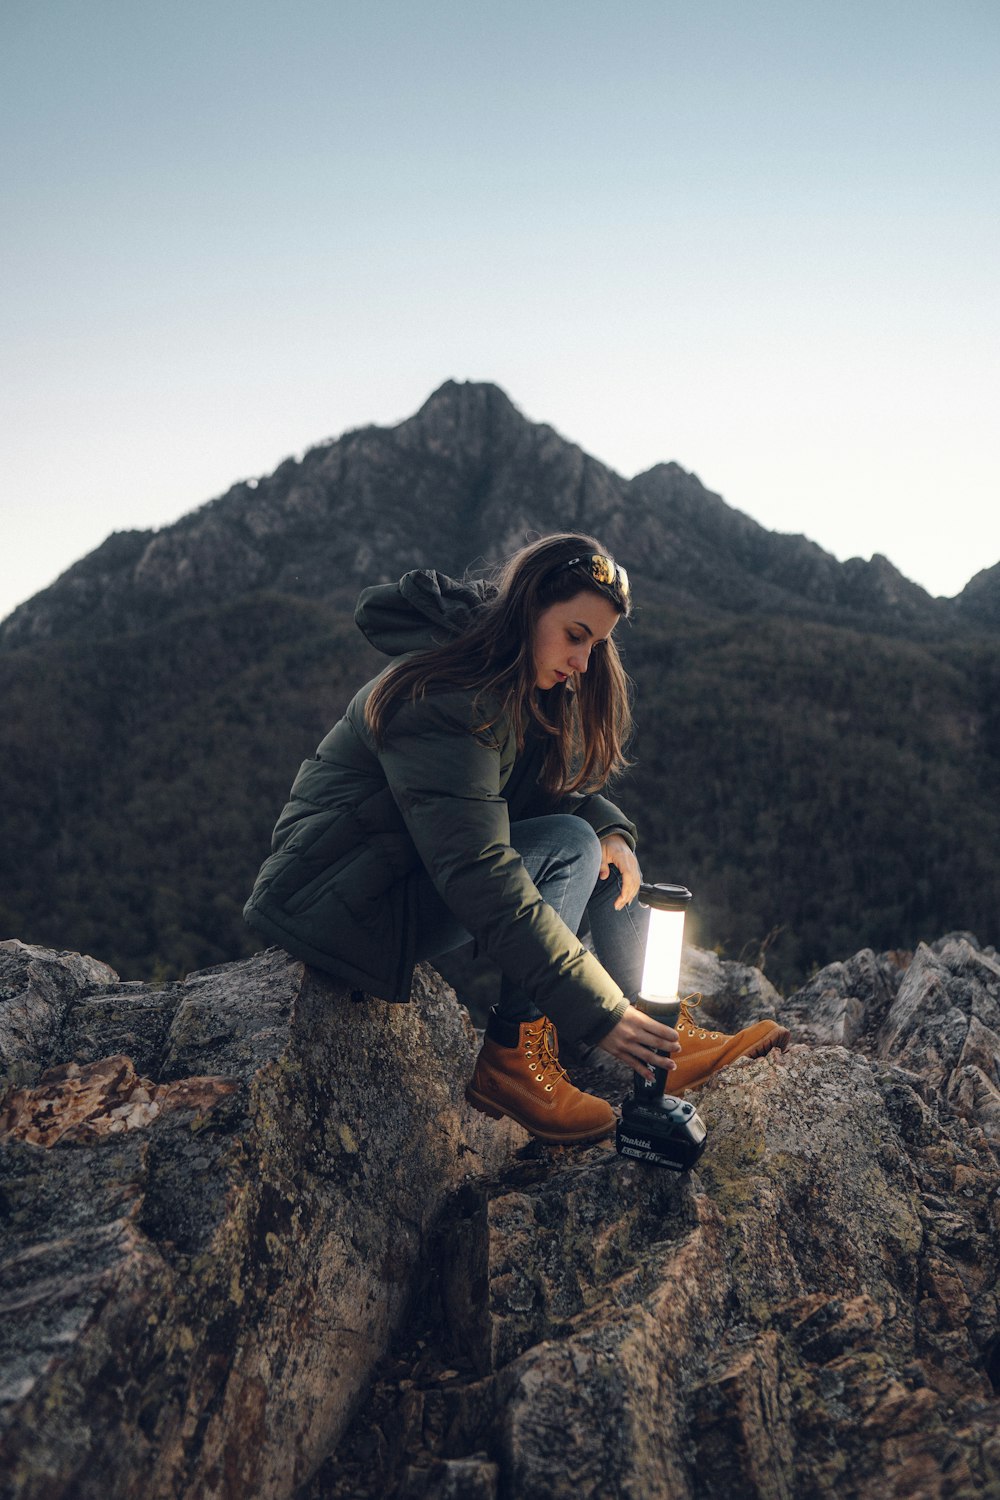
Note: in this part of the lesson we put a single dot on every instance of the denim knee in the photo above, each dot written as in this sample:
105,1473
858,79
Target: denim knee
557,847
577,828
576,840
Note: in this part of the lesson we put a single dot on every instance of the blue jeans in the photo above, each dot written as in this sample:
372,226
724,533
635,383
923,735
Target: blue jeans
562,854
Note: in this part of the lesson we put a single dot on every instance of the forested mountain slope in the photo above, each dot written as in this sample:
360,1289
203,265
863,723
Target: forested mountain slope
818,752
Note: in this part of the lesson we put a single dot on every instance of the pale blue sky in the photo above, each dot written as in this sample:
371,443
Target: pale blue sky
761,240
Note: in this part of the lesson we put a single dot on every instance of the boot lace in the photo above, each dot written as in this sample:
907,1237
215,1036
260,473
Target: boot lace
687,1017
543,1059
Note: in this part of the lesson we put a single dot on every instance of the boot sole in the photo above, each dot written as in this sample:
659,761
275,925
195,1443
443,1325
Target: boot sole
553,1137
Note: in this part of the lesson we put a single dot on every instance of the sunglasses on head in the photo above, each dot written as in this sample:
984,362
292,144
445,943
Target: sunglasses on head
603,570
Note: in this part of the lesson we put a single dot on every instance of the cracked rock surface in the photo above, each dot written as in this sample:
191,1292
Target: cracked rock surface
213,1201
812,1311
254,1243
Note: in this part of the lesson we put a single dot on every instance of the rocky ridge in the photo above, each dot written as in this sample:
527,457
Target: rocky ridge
255,1243
979,601
471,472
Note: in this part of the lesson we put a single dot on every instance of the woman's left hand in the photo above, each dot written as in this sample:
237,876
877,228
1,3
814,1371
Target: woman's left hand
642,1043
615,851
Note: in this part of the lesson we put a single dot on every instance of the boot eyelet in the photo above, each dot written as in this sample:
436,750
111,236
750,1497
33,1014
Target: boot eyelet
548,1088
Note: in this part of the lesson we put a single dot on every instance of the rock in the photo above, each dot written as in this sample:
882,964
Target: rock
201,1266
813,1310
311,1272
944,1025
845,1001
37,989
935,1012
733,995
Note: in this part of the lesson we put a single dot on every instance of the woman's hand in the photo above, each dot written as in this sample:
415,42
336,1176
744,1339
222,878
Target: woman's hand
636,1040
615,851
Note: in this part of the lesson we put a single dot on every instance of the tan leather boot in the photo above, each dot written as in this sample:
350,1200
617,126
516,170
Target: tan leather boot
527,1082
704,1052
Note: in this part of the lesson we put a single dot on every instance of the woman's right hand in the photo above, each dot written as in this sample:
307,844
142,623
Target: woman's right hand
637,1039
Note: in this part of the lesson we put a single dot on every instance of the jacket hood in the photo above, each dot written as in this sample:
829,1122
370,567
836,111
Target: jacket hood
424,609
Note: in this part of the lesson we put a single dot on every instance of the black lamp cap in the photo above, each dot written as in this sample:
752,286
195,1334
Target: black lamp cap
664,897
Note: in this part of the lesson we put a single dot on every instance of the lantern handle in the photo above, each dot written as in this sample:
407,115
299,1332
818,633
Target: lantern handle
662,897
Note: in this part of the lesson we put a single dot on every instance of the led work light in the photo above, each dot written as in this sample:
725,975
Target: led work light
654,1125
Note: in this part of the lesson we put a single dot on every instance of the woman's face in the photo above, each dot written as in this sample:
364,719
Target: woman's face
565,635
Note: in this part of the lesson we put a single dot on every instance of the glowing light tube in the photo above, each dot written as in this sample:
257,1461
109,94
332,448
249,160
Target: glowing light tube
662,967
662,970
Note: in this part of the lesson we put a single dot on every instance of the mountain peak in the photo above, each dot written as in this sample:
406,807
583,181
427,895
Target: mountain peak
472,415
464,481
466,395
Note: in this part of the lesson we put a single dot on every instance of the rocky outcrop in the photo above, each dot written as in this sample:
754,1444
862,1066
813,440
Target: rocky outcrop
215,1197
935,1015
979,601
314,1273
814,1310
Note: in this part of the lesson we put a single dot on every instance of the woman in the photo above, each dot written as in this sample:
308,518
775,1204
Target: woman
458,797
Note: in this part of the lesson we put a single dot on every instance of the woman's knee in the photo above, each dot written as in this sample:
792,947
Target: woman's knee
560,838
581,836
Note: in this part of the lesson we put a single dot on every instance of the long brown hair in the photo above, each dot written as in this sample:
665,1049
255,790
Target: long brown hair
586,725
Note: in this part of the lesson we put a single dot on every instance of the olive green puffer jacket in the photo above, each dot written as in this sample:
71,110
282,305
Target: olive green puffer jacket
363,822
